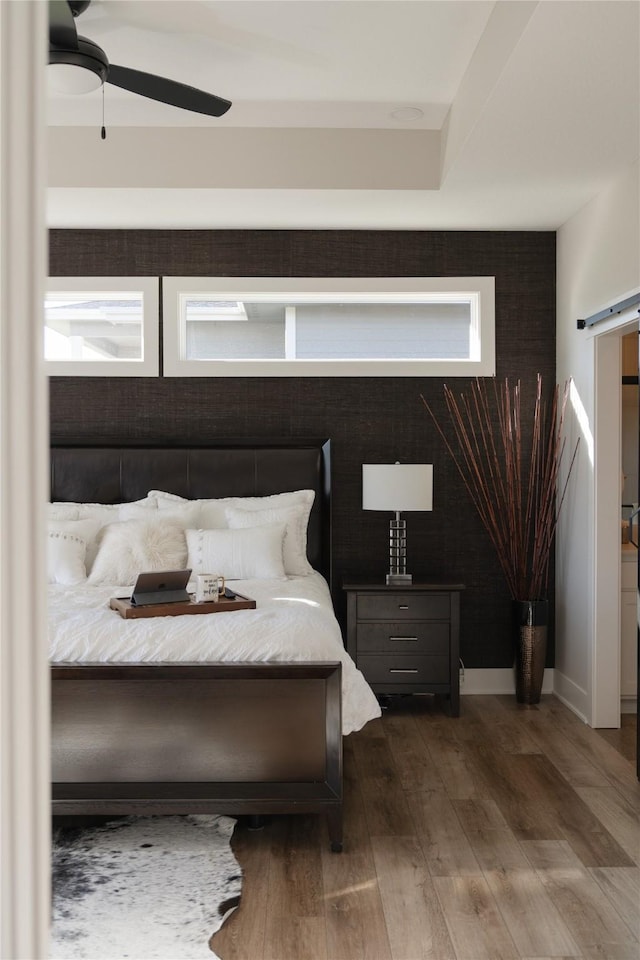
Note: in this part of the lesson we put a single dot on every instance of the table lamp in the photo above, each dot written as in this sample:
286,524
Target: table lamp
397,487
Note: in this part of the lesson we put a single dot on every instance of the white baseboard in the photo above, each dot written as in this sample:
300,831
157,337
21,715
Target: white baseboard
492,681
573,696
502,681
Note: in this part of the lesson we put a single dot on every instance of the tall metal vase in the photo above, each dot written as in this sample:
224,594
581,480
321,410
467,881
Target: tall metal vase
531,619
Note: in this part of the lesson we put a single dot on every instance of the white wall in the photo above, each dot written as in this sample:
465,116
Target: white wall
598,262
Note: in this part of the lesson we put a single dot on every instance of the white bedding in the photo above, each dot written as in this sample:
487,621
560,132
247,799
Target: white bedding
293,620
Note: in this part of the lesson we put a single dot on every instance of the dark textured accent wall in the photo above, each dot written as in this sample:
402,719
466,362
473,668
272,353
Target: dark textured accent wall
368,419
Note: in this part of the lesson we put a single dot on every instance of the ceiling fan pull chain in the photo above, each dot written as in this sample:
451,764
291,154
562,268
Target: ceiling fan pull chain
103,132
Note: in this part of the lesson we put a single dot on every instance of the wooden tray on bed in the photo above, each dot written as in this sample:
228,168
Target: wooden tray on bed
130,612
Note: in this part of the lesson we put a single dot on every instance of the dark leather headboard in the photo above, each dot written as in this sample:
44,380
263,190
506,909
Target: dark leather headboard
248,468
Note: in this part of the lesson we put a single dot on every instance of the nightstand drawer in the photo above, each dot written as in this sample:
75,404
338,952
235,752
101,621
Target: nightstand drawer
403,606
413,636
404,669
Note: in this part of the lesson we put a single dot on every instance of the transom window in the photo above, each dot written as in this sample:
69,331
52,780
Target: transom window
322,327
102,326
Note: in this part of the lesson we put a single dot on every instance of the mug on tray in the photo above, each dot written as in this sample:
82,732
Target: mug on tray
209,587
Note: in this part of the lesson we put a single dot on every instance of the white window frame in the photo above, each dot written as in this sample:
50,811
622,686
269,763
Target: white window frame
149,364
331,289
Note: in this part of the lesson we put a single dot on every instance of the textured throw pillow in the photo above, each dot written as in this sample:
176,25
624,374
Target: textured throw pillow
254,553
295,519
129,547
67,542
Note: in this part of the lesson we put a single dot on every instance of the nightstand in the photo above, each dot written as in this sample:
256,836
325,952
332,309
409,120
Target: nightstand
406,639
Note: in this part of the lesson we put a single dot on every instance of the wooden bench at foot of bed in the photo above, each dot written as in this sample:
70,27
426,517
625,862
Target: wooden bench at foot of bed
241,738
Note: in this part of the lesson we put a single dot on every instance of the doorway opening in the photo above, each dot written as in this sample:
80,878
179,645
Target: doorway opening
629,437
614,614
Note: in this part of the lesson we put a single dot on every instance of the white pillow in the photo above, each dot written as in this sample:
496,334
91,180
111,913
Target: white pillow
163,495
209,514
294,518
212,512
129,547
135,511
63,511
103,512
289,499
254,553
187,513
67,542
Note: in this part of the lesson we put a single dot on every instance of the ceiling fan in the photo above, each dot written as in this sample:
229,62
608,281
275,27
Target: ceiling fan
81,66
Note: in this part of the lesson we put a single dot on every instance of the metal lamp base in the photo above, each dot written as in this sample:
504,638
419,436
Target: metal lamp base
398,579
398,575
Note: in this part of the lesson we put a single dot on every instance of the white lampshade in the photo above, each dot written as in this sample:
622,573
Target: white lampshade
397,486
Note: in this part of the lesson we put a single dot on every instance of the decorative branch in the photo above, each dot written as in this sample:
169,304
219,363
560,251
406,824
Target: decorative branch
514,491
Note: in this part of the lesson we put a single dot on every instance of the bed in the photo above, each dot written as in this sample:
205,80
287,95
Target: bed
194,714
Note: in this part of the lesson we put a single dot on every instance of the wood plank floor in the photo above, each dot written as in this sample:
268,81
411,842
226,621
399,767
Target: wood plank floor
509,833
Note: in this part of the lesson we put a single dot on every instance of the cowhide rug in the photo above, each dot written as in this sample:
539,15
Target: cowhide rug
143,887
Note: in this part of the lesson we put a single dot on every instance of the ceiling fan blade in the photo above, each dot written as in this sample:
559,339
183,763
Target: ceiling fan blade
167,91
62,27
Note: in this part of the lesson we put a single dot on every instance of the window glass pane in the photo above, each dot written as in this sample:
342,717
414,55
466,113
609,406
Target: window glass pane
233,330
223,330
93,326
401,331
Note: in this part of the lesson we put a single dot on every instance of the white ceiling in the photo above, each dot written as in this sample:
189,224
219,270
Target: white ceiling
526,111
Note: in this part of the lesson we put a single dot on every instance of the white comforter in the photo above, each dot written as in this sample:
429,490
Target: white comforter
293,620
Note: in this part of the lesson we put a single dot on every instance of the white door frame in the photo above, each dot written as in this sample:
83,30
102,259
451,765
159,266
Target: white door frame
24,427
605,661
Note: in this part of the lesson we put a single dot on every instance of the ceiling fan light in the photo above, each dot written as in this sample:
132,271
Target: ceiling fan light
78,70
71,78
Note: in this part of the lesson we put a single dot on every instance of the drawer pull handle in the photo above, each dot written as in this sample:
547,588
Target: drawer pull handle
405,639
403,606
399,670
